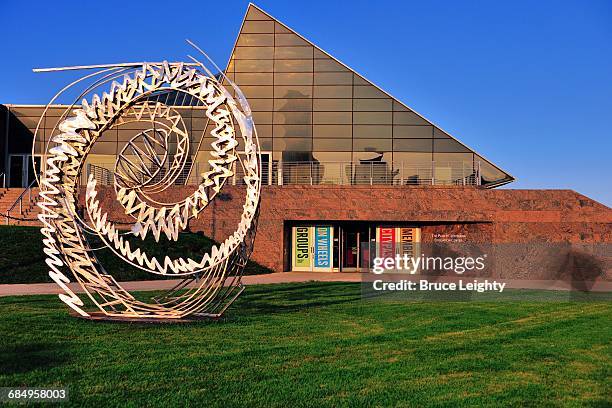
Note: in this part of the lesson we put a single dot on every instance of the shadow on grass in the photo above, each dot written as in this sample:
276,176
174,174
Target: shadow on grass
287,299
29,357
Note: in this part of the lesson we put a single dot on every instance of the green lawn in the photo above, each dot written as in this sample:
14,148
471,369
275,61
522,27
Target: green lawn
22,259
319,344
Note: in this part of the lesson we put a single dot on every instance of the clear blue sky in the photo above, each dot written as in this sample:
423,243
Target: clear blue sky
526,83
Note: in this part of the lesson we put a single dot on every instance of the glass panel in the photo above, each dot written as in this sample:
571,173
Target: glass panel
293,91
332,118
104,148
327,65
320,54
279,28
371,145
440,134
255,39
257,91
488,172
294,144
419,132
324,91
293,118
293,65
331,156
358,80
198,123
342,145
292,79
372,131
253,79
333,78
449,146
408,118
254,14
292,104
412,168
339,131
449,158
294,156
254,65
422,160
289,40
332,104
368,91
260,104
258,27
292,130
376,156
264,131
399,107
412,145
293,52
262,118
254,53
372,105
265,143
374,118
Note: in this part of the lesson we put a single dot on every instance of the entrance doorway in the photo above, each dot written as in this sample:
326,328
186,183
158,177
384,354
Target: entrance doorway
22,170
354,245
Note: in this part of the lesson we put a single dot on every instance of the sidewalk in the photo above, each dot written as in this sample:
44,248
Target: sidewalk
278,277
289,277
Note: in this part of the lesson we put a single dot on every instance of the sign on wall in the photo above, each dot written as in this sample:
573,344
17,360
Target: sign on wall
301,247
322,247
385,237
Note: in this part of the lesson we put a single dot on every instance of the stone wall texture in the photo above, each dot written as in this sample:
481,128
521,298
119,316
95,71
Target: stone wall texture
559,222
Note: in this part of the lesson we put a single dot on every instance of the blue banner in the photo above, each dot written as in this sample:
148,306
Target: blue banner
322,247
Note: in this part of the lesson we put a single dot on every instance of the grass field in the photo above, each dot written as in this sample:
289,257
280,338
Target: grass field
319,344
22,259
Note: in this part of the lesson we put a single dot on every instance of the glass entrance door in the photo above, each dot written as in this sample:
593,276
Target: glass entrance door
350,250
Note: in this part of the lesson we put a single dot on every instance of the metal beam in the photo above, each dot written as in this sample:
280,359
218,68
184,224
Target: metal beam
118,65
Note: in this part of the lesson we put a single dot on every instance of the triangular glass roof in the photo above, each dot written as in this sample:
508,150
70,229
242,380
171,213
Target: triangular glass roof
308,105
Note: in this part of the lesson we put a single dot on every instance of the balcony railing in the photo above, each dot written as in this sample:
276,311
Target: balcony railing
334,173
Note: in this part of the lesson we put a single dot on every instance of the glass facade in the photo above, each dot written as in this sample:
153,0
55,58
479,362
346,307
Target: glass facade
308,106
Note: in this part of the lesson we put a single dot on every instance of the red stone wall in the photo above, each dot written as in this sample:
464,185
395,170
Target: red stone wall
482,216
485,216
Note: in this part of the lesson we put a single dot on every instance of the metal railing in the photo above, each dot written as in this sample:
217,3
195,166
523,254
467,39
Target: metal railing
333,173
369,173
3,178
19,201
104,174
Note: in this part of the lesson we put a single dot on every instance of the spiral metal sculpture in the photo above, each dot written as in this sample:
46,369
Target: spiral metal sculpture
150,162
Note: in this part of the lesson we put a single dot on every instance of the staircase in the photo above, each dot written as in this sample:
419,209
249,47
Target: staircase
28,210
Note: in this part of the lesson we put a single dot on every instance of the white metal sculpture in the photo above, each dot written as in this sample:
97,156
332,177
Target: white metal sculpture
145,166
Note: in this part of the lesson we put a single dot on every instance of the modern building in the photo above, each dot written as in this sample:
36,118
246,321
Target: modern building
347,166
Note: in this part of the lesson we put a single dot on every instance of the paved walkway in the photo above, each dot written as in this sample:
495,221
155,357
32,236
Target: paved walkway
288,277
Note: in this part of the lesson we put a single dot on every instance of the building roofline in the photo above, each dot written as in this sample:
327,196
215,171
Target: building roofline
363,77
